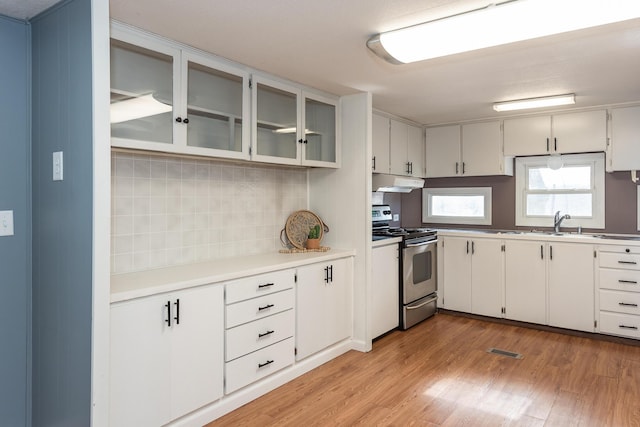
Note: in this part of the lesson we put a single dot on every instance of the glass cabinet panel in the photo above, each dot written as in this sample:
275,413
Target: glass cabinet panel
320,131
214,108
141,93
277,118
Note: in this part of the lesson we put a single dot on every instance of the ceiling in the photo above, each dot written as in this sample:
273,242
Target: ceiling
24,9
322,44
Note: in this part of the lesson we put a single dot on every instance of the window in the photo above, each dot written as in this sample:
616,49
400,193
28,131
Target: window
471,205
576,189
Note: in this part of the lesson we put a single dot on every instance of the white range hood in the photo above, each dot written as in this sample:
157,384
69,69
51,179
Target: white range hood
395,183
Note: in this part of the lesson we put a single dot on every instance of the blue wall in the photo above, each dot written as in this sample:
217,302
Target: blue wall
15,194
62,215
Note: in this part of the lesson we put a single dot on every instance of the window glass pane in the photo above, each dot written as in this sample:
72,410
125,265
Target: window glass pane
457,206
576,205
566,178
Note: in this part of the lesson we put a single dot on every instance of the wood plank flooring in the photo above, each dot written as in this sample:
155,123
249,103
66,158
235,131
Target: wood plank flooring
439,374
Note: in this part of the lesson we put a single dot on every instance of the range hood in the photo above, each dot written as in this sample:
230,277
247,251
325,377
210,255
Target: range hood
396,184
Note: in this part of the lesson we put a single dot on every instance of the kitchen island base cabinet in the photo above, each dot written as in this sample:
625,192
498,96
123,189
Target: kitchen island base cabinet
166,356
324,308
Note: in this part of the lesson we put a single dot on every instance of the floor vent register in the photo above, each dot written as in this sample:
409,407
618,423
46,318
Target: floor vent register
505,353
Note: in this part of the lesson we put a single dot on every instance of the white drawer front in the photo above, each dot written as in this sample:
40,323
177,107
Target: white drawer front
621,249
254,366
255,335
255,286
622,261
626,325
620,302
257,308
621,280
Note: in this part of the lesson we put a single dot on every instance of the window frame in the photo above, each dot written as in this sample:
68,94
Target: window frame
594,160
428,217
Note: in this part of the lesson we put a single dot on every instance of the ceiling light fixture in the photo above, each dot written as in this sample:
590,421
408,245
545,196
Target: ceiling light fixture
545,101
498,24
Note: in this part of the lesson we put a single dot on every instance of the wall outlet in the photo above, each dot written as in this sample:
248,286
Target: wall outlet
58,166
6,223
396,217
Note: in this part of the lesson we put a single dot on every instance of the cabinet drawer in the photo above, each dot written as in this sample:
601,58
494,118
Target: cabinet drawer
257,308
620,280
255,335
620,249
626,325
622,261
259,364
620,302
255,286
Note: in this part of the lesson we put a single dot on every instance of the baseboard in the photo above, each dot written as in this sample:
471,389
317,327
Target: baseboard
251,392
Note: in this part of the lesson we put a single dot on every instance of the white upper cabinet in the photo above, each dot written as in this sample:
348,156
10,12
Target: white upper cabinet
406,148
380,160
473,149
482,150
624,152
292,126
170,100
580,132
443,151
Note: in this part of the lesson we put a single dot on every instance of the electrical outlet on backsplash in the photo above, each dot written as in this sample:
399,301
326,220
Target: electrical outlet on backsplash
168,211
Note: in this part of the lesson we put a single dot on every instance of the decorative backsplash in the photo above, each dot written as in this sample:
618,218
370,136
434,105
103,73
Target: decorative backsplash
168,210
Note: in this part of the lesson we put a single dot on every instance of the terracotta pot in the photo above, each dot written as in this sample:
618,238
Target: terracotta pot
313,243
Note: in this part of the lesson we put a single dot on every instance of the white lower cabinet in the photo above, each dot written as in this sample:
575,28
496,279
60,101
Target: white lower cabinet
166,356
571,286
323,305
385,310
473,275
525,279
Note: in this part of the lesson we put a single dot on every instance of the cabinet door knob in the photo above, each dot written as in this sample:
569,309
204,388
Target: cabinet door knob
185,121
168,305
179,119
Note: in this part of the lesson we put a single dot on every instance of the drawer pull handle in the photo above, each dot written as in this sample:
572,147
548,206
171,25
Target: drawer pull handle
628,327
265,307
632,282
262,365
626,304
627,262
270,332
266,285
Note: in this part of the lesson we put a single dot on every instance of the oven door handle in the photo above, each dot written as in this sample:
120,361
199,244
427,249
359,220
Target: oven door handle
430,300
413,245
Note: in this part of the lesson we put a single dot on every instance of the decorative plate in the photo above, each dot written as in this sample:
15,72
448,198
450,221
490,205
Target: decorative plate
298,225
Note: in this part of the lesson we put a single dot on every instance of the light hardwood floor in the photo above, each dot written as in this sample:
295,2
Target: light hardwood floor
439,374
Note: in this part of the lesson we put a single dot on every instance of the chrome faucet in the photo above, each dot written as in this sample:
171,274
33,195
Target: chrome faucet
557,220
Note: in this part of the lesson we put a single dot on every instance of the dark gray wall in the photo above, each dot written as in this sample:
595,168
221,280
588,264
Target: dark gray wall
62,215
620,202
15,194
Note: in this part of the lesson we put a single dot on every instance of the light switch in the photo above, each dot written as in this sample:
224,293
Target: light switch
58,166
6,223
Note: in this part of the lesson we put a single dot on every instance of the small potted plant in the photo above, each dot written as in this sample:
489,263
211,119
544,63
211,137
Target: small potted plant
313,240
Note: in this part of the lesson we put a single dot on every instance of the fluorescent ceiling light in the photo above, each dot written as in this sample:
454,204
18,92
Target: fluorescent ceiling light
546,101
498,24
137,108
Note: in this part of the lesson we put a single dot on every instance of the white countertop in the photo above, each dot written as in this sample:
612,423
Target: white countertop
385,242
135,285
591,238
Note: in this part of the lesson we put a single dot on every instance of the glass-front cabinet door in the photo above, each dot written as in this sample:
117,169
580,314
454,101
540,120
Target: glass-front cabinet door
320,145
217,105
142,94
276,125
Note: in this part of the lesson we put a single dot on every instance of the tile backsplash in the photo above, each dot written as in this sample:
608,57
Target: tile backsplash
168,210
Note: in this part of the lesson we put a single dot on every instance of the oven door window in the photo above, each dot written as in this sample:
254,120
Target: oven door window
422,267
